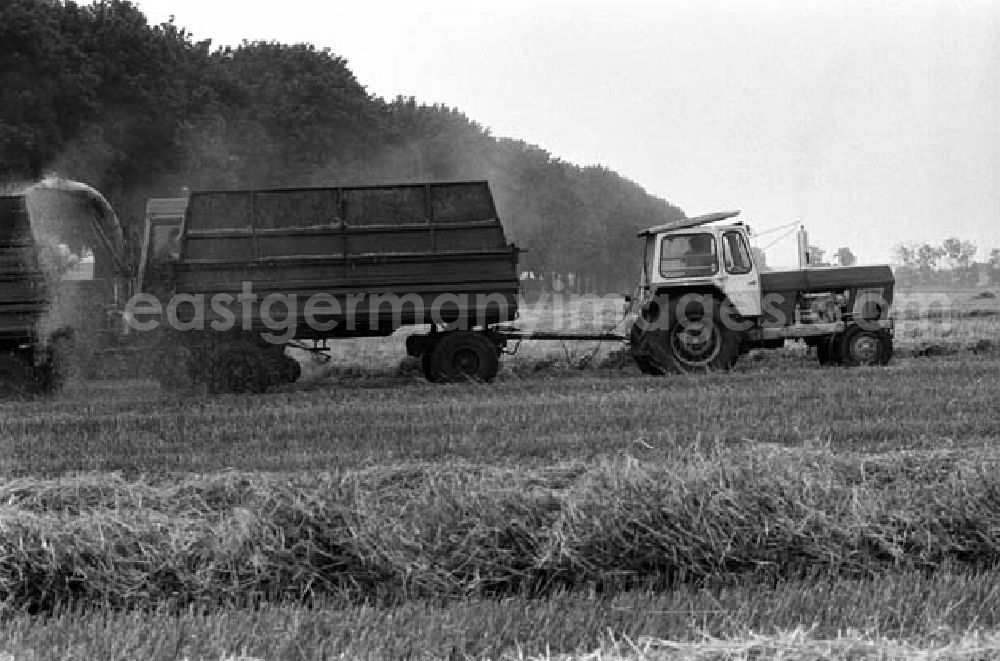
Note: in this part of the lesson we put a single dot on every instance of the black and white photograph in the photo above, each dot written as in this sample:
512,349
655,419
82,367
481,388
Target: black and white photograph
539,330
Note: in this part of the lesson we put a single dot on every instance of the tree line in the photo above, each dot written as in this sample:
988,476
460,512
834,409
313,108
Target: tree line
96,93
950,263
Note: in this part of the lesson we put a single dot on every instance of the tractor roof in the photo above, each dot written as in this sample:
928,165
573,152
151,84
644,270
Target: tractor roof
167,206
684,223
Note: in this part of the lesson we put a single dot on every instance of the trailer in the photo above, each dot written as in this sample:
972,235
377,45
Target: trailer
360,261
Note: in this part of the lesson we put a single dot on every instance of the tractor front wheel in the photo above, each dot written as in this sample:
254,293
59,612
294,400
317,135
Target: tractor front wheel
859,347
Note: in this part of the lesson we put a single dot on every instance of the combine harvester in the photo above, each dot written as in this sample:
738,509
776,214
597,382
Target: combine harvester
62,279
215,267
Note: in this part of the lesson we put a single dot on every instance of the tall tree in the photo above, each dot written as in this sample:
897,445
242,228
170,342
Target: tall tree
905,254
926,261
845,257
816,255
993,266
959,253
96,93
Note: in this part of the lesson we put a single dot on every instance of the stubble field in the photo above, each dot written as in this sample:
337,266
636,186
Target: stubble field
572,507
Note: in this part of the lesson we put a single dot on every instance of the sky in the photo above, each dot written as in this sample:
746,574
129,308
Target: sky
870,122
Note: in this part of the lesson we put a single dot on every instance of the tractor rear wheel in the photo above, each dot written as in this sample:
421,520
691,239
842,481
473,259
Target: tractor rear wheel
647,366
700,340
860,347
464,356
15,375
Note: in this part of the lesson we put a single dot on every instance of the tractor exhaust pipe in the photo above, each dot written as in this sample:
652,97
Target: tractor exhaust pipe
804,256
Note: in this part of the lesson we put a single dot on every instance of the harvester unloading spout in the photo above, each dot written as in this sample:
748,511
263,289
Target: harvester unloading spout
74,199
64,270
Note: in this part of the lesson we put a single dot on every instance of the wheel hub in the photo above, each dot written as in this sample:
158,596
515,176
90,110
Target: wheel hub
695,343
467,361
865,349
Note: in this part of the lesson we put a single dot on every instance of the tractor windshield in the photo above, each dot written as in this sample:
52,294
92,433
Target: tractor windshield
688,255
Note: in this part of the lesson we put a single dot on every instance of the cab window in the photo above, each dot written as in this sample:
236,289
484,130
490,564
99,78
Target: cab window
736,254
164,242
688,255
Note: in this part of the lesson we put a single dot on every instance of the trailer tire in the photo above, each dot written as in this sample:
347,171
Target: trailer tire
464,356
277,367
49,377
235,371
428,367
15,372
174,368
293,369
861,347
828,350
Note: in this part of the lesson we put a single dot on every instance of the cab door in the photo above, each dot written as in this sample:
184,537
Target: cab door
740,278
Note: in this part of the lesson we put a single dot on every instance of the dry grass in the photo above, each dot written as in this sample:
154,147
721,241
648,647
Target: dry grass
433,530
908,610
778,495
795,645
549,417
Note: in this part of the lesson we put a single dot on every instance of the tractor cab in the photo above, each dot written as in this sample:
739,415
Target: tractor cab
691,253
161,243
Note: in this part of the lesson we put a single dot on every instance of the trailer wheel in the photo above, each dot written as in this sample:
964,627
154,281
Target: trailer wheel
428,367
702,341
293,370
277,367
859,347
61,361
174,368
828,350
464,356
235,371
15,373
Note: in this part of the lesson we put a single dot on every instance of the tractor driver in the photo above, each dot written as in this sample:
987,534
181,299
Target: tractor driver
169,249
700,256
